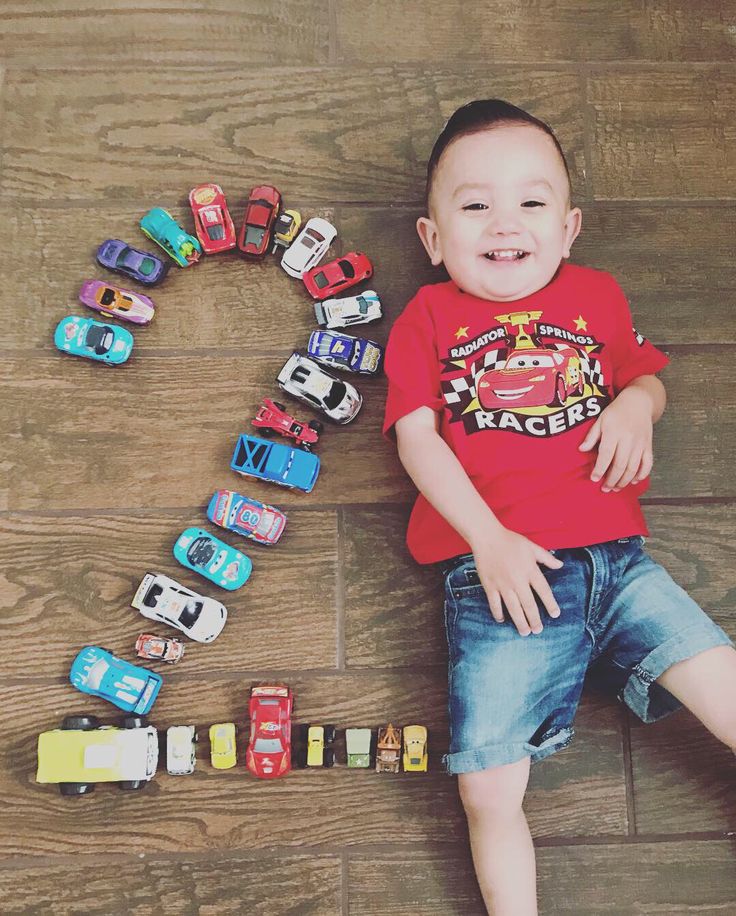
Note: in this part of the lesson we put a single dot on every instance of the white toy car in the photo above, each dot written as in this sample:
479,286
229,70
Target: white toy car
341,313
180,756
309,247
308,381
160,598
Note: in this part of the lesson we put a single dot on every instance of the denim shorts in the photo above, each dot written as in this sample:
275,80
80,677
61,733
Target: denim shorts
623,620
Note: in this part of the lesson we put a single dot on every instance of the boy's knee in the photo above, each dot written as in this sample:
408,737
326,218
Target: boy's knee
494,793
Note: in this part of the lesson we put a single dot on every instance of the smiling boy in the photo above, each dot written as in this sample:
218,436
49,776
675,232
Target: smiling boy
523,403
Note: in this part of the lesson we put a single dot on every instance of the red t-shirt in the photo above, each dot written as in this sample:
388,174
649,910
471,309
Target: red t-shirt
517,386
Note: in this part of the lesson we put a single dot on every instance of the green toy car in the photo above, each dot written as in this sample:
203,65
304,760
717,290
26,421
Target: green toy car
161,226
358,746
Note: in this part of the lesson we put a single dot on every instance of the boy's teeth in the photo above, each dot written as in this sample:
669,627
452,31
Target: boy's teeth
508,255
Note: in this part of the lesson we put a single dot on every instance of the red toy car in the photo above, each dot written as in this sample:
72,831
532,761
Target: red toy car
159,648
532,377
272,417
263,207
269,746
212,221
333,277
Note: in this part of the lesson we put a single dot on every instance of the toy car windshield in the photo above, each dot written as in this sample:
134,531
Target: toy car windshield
347,269
99,339
108,296
309,242
190,613
216,232
268,746
321,280
335,395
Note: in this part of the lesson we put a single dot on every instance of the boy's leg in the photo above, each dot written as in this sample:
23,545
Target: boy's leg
706,685
503,853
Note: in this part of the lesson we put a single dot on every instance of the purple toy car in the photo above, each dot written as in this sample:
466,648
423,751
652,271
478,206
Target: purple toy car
140,265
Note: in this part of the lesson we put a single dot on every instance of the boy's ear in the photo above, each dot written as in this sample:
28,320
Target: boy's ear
427,231
573,224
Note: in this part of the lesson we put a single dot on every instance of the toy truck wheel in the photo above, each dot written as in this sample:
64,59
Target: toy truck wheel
330,734
316,426
135,722
70,789
329,758
80,723
130,785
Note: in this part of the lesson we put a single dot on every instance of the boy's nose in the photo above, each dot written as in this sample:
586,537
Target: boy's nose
503,222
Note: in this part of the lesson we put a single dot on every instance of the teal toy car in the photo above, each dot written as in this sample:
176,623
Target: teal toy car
161,226
106,343
212,558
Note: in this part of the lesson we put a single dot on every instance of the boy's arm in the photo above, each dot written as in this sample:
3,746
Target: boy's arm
507,562
625,430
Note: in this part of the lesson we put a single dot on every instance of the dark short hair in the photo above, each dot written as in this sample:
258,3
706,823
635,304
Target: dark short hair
475,117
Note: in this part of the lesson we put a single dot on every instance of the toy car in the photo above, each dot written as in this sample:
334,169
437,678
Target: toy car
212,221
212,558
269,746
248,517
116,302
261,211
358,746
388,750
335,276
101,674
343,351
341,313
161,227
319,741
309,247
415,749
105,343
223,751
272,416
163,599
139,265
307,380
180,753
159,648
285,229
532,377
277,463
82,753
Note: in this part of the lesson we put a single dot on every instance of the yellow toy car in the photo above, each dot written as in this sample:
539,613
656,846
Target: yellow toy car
222,745
415,749
285,228
319,751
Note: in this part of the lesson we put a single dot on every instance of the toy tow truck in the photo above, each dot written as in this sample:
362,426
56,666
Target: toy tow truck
358,745
388,749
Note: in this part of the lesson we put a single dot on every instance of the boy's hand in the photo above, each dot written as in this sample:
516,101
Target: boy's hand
508,568
625,433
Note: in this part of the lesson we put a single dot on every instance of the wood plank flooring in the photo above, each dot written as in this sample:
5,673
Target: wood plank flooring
107,110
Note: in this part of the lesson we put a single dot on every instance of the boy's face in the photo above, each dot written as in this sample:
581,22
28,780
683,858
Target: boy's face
499,213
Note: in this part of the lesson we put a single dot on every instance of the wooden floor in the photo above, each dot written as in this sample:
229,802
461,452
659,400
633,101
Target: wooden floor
105,114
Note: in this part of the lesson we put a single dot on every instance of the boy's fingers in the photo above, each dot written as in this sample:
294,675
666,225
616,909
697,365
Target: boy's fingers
541,587
494,602
531,611
549,559
592,437
618,467
605,455
516,613
645,468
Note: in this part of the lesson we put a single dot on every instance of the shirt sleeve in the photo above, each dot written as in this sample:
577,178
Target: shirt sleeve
632,355
411,365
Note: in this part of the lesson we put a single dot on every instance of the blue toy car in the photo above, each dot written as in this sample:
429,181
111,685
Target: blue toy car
101,674
212,558
106,343
140,265
343,351
160,226
289,467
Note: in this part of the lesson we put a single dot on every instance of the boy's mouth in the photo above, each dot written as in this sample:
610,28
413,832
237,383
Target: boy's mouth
506,255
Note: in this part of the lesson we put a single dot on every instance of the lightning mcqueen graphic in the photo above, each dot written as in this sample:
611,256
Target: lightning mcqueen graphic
532,377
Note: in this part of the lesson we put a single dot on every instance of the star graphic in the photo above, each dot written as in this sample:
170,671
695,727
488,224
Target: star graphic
581,324
461,332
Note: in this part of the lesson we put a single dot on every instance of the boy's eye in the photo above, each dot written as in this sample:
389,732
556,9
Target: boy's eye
476,206
533,203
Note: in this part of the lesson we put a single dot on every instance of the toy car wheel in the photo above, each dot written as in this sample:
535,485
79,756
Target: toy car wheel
279,406
329,758
80,723
135,721
330,734
316,426
266,432
70,789
130,785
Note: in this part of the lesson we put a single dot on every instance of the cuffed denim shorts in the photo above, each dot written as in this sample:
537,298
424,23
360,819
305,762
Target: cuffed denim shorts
623,619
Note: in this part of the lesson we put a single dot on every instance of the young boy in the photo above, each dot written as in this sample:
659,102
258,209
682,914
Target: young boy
523,403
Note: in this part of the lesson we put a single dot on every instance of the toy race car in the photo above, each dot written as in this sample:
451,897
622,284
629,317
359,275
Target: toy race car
223,752
269,746
139,265
163,599
261,211
105,343
307,380
159,648
309,247
245,516
82,753
335,276
277,463
212,558
341,313
415,749
285,229
161,227
343,351
358,746
212,221
388,750
116,302
318,750
180,752
272,416
532,377
101,674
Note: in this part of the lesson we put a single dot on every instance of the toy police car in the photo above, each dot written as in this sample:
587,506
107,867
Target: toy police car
343,351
